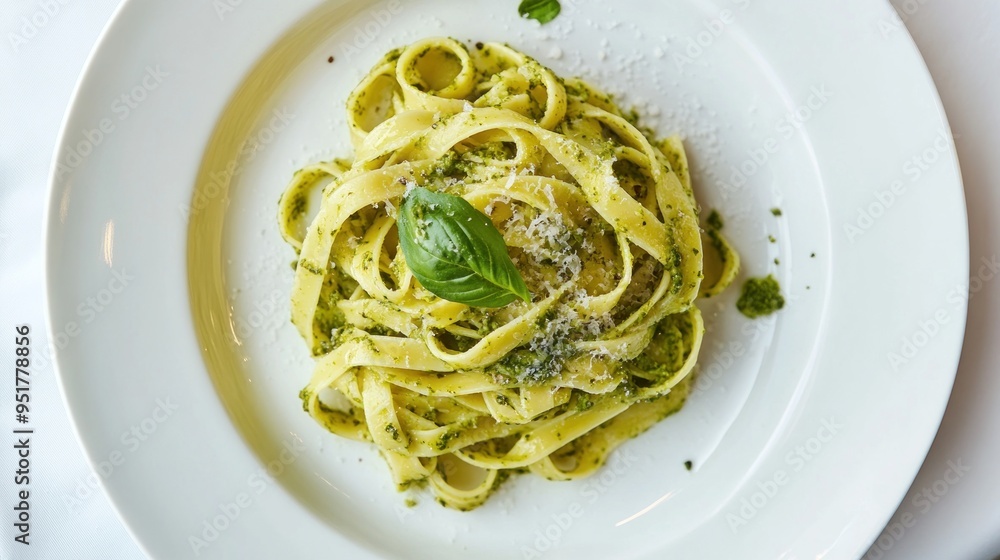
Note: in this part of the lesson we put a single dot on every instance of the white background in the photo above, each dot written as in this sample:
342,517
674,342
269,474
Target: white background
943,516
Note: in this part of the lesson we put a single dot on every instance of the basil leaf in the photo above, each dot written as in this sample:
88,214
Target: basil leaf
542,10
455,252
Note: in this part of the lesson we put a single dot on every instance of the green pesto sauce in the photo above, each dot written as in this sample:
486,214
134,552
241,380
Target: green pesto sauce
714,225
584,401
720,246
311,267
676,277
445,439
305,395
300,205
714,220
529,366
667,349
760,297
392,431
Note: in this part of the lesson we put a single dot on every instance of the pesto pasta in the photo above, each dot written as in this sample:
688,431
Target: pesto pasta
535,314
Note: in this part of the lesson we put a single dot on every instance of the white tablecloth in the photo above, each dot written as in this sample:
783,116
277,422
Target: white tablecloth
952,511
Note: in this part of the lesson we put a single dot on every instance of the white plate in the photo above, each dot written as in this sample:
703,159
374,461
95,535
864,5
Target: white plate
805,430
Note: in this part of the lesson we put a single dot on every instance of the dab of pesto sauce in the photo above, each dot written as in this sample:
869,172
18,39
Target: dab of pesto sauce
714,220
760,297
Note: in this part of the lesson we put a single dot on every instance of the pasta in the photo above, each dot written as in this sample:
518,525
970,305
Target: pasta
598,218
